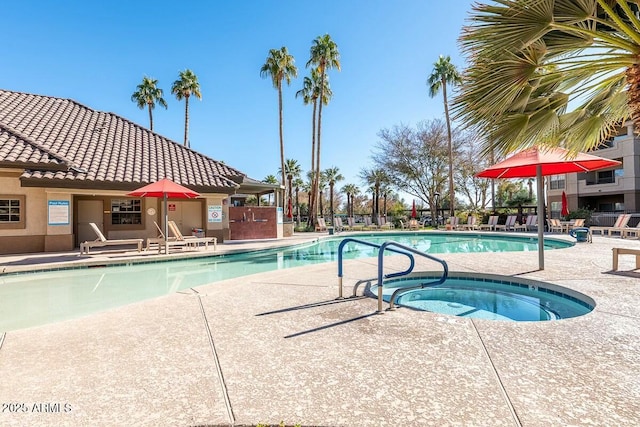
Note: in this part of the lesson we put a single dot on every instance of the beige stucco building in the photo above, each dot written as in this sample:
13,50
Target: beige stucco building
64,165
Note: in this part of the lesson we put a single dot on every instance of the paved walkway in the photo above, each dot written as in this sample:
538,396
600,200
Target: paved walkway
278,347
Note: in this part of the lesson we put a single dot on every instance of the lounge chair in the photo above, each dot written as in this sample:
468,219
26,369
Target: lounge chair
368,224
189,241
532,223
508,225
470,225
414,224
155,240
618,226
491,223
102,241
452,223
382,221
337,224
351,224
321,225
555,225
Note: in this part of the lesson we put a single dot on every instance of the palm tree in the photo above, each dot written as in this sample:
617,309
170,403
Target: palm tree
332,175
376,179
351,190
550,72
310,93
324,55
146,95
292,170
280,67
298,183
183,88
444,72
270,179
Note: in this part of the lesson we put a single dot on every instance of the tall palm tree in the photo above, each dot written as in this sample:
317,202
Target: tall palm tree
280,67
324,55
351,190
183,88
298,183
376,179
310,94
146,95
292,170
332,175
270,179
444,72
550,72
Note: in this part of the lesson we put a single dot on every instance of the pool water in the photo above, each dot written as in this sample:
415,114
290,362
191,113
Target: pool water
491,298
31,299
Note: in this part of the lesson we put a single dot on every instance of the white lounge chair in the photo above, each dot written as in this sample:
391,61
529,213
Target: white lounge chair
351,224
368,224
382,221
321,225
491,223
618,227
189,241
508,225
102,241
470,225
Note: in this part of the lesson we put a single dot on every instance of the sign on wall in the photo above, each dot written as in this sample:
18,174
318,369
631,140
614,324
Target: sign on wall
58,212
280,215
214,213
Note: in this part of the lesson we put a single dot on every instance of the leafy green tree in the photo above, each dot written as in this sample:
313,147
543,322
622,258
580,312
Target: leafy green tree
324,56
298,183
332,175
444,72
146,95
375,179
550,72
280,67
183,88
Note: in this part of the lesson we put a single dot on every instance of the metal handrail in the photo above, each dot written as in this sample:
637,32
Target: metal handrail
374,245
385,246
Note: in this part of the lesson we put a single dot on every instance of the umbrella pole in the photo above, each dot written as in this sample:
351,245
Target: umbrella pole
541,214
166,225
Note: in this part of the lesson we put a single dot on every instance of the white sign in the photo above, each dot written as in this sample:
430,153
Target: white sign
280,215
58,212
214,213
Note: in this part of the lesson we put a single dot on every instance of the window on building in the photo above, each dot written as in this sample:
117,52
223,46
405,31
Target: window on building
556,182
605,177
12,212
126,211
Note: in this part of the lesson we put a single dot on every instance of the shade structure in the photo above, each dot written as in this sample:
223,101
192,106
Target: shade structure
540,162
565,205
414,213
165,189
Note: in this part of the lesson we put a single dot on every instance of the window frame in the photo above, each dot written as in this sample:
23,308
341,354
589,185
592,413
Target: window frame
118,202
22,223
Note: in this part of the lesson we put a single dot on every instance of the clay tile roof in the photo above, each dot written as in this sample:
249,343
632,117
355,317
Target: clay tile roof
60,142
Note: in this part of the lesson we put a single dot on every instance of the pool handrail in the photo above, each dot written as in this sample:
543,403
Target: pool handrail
374,245
381,277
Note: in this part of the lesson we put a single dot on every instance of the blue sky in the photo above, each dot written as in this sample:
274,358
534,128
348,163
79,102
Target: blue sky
97,53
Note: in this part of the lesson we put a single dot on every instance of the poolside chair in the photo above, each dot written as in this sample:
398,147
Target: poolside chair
189,241
368,224
321,225
102,241
520,227
532,223
414,224
155,240
491,223
337,224
508,224
555,225
452,223
470,225
352,224
618,226
382,221
626,232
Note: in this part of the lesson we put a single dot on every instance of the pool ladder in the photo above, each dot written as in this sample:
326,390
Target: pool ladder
399,248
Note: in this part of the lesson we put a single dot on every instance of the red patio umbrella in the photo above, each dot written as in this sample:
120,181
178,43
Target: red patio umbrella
289,209
165,188
539,162
414,213
565,205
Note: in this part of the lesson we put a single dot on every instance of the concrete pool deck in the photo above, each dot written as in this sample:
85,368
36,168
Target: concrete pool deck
278,347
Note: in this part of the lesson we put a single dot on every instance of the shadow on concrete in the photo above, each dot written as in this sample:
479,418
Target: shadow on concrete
331,325
625,273
46,260
311,305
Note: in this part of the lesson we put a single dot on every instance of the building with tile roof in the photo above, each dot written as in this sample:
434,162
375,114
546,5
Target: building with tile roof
63,165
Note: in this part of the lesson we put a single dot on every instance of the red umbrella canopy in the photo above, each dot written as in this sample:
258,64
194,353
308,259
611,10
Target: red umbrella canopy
565,205
164,187
290,209
554,161
414,213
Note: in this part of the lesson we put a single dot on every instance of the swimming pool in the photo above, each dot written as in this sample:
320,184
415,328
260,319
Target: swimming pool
482,296
31,299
